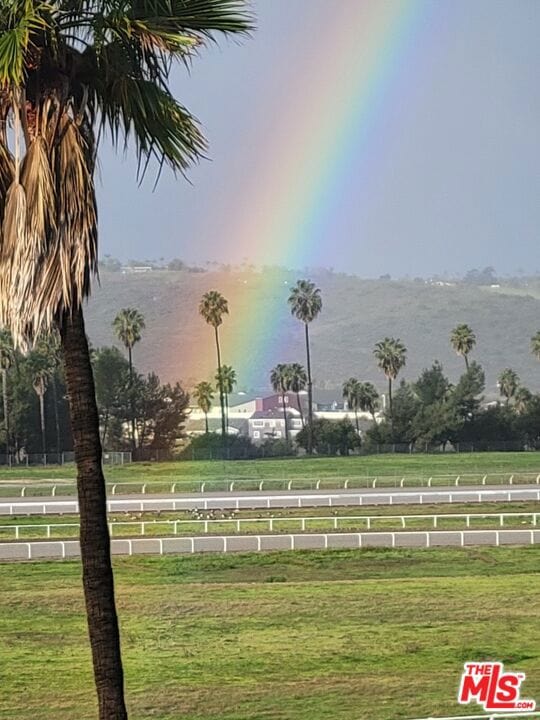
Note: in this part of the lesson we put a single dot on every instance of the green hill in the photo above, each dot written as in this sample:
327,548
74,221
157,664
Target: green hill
259,332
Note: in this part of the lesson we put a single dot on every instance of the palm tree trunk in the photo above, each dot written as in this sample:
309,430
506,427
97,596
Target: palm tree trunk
131,408
390,403
6,409
56,415
466,362
310,394
227,411
356,420
220,382
206,421
285,418
42,422
105,428
98,580
300,408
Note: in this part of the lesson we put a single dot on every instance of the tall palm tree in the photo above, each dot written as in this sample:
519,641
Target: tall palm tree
7,356
41,374
351,394
128,326
306,304
204,394
212,308
226,378
368,398
73,72
280,378
298,378
49,346
391,357
463,341
535,345
508,384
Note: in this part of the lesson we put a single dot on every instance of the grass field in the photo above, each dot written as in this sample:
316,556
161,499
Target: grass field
38,527
343,635
307,469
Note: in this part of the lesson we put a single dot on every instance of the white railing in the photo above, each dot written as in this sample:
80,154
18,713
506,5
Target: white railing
61,549
52,489
273,523
306,499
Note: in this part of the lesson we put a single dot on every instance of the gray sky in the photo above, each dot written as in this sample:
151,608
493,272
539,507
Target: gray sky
452,179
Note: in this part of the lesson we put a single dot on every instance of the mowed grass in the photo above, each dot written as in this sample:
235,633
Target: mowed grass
304,471
520,515
342,635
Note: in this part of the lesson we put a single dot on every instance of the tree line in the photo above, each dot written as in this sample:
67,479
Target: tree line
430,410
35,414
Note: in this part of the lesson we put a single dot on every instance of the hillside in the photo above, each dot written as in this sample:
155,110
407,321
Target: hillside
259,332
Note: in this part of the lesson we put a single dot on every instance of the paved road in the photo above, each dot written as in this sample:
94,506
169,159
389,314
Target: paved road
55,550
277,499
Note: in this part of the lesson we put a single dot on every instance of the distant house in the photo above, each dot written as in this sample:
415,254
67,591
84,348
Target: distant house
270,425
136,269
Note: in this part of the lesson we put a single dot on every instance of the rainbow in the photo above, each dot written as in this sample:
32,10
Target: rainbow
342,82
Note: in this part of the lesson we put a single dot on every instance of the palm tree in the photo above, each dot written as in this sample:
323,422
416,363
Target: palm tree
508,384
298,379
351,394
306,304
391,357
212,308
535,345
368,398
41,374
463,341
49,346
7,356
128,326
280,378
204,394
226,378
522,398
72,73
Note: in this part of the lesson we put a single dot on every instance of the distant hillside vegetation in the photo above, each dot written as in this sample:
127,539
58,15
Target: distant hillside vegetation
357,313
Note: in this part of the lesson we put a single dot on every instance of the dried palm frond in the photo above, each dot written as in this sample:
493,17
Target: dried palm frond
70,258
13,237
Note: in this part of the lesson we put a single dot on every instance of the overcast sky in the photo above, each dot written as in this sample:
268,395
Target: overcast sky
454,178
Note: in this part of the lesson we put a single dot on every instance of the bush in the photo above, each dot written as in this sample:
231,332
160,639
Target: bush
330,437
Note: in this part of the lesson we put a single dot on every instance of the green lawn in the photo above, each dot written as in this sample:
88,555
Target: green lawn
303,471
342,635
320,519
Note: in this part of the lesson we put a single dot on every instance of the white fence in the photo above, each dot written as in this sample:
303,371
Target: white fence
272,524
243,502
56,489
61,549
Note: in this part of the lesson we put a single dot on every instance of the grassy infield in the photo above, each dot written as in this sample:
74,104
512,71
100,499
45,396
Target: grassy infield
346,635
